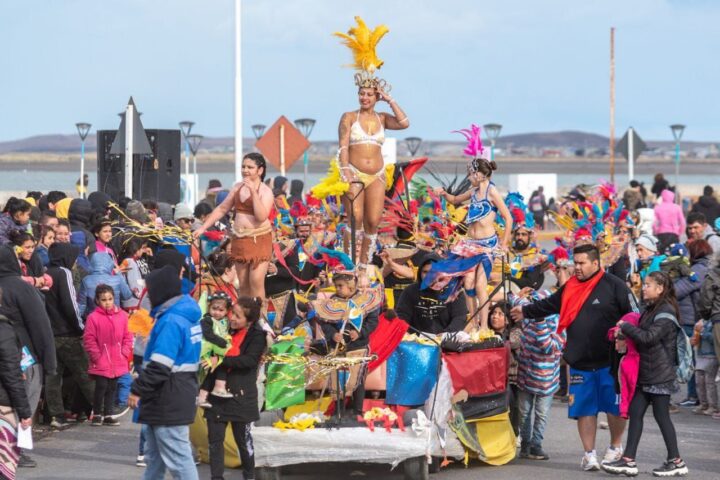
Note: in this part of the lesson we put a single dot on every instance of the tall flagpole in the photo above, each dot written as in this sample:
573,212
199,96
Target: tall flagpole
129,133
612,105
238,91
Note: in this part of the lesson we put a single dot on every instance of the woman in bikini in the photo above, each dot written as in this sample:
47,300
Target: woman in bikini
473,257
362,134
251,247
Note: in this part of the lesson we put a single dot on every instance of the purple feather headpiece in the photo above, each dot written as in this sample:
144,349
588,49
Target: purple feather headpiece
474,148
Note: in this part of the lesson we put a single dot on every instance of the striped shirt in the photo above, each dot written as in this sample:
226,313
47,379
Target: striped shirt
539,356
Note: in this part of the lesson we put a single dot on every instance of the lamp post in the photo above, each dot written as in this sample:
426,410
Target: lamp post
194,142
305,125
258,130
413,145
185,127
677,131
83,130
493,132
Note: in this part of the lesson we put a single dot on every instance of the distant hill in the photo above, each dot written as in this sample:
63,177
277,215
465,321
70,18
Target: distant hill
568,139
565,139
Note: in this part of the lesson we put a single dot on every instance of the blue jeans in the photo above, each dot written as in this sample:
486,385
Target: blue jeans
533,429
123,389
168,448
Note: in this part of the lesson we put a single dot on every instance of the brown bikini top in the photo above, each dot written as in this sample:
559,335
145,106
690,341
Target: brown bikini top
245,206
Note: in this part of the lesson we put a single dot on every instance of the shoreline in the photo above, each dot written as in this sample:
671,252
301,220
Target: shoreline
506,165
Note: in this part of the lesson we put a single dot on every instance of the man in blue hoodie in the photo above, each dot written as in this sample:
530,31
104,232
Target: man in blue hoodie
167,388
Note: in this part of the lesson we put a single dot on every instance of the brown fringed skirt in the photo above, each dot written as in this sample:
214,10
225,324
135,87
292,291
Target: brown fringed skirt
253,246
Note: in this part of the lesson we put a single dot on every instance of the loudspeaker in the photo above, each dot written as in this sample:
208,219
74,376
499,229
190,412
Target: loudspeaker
155,177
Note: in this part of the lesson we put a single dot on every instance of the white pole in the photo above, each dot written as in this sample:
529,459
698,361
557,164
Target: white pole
129,116
238,90
82,169
631,154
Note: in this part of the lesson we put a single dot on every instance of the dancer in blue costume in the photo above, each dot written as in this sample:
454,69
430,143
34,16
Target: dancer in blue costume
468,256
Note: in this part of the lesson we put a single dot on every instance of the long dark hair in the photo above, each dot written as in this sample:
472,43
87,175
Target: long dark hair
259,160
668,294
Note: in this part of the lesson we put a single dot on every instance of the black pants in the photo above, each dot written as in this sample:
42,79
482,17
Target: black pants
661,411
514,411
244,441
104,400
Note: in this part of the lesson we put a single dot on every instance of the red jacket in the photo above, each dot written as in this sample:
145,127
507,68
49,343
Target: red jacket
108,342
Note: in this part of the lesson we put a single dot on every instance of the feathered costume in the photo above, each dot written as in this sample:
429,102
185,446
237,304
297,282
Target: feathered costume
467,254
596,218
362,42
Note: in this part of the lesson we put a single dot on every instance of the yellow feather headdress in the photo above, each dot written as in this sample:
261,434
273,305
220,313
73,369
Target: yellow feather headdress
362,42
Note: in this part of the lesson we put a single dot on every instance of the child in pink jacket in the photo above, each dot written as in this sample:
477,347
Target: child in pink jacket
629,364
109,346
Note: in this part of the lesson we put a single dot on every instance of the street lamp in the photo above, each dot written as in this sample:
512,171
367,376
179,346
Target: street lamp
258,130
493,132
413,145
83,130
194,142
677,131
305,125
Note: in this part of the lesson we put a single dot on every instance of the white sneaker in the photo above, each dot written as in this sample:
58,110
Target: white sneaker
589,462
612,454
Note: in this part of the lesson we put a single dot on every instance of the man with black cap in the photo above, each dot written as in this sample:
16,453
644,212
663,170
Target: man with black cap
167,387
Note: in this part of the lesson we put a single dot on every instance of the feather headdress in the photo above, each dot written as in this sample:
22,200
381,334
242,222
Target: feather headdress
362,43
474,148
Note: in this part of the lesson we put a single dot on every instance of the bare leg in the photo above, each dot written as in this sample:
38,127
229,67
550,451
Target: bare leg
587,428
617,427
374,202
482,296
470,300
358,195
256,277
243,276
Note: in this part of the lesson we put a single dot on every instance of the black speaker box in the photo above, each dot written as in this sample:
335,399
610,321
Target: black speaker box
155,177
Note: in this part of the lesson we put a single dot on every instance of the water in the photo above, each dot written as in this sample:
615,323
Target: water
43,180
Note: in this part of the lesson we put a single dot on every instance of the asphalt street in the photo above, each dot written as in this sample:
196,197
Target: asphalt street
85,452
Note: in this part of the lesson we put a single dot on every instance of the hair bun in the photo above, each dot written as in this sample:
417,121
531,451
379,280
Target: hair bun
493,165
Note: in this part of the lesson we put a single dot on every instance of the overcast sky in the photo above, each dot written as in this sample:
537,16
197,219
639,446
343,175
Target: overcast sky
530,65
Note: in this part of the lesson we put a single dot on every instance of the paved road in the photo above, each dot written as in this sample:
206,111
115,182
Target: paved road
85,452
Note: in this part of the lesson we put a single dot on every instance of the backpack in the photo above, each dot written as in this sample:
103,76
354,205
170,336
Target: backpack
684,352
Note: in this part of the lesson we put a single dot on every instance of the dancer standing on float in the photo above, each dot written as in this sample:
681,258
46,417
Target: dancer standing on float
472,257
361,135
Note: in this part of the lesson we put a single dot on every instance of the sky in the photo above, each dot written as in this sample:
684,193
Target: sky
532,66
